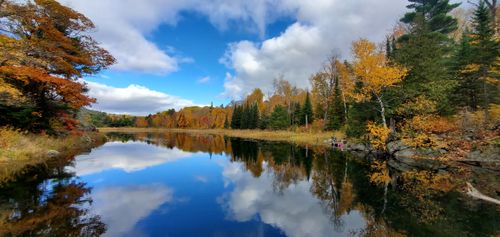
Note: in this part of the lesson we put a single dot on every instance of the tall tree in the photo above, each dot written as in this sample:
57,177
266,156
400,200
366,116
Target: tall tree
375,73
323,84
481,65
236,119
296,116
336,117
307,111
425,51
45,48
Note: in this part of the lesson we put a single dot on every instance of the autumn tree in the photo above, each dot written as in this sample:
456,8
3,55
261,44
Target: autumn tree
284,89
375,73
323,84
257,96
45,49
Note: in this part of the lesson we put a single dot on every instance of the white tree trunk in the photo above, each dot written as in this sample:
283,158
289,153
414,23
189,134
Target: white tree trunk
382,110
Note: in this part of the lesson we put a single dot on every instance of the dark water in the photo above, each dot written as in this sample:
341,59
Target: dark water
183,185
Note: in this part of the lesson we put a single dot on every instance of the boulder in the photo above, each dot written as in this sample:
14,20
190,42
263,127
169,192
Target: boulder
358,147
405,154
396,146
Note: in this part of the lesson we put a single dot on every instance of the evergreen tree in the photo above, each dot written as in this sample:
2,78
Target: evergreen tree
279,118
226,123
255,116
468,90
336,115
319,113
485,64
388,48
307,111
296,116
476,62
245,117
264,122
425,50
236,119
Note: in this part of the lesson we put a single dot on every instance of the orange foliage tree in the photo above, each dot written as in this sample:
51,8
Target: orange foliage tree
45,49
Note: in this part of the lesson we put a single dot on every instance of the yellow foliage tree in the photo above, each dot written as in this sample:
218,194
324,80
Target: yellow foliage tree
373,69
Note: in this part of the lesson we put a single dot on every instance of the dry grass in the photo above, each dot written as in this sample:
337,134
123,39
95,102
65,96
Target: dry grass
299,137
18,150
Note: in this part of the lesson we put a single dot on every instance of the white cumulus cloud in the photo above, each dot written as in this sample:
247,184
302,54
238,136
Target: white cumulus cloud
322,28
133,99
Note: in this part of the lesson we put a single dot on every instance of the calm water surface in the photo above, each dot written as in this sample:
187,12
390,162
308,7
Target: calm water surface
164,184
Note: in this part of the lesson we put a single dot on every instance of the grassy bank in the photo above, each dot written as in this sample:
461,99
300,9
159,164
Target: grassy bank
301,138
18,150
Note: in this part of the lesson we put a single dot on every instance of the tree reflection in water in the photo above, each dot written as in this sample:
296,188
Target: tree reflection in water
47,202
418,204
300,190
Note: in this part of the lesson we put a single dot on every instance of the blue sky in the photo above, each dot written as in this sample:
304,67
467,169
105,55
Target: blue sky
176,53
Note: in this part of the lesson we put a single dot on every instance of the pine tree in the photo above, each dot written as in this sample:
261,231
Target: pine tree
296,116
279,118
245,117
426,50
255,116
467,93
236,119
307,111
478,62
226,123
336,115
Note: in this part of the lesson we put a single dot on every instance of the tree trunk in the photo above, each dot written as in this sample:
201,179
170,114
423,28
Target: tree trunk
486,102
345,106
382,110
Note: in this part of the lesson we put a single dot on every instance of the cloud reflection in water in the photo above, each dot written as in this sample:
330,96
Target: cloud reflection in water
295,210
129,157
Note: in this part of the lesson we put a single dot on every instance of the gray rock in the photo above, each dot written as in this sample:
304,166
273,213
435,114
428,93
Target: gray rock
358,147
53,153
405,154
396,146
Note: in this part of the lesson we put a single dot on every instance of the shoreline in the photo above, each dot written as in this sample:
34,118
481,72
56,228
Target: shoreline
27,150
300,138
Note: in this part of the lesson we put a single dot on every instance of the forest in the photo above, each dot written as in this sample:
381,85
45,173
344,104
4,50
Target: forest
435,76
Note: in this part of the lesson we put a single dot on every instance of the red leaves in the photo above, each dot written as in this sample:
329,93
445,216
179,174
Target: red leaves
70,91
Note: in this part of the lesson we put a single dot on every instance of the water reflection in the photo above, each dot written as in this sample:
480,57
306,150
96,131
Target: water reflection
45,202
122,207
133,156
168,184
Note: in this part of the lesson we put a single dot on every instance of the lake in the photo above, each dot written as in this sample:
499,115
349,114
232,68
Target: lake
174,184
